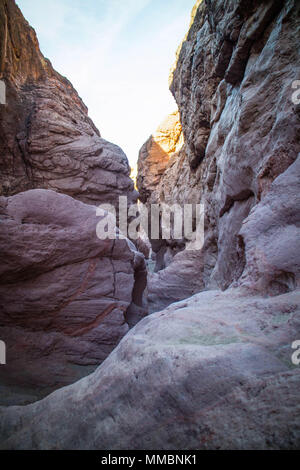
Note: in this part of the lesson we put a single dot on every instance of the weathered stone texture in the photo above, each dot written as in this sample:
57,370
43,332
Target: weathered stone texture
47,139
233,85
210,372
64,293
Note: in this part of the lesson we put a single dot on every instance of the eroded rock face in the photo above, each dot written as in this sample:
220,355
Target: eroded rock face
271,236
211,372
156,155
233,85
64,293
47,139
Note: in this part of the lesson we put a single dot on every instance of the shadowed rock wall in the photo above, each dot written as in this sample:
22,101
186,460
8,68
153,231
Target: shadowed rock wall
233,85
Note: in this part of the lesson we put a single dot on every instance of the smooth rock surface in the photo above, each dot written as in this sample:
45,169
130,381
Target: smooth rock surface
210,372
271,236
232,82
64,293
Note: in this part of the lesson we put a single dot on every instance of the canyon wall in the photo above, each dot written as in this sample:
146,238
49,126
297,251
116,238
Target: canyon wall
216,370
66,297
47,139
210,372
233,85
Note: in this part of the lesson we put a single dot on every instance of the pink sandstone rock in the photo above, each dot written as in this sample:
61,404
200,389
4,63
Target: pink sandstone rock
47,139
64,293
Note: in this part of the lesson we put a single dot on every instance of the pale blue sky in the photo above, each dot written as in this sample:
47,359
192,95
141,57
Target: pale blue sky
117,54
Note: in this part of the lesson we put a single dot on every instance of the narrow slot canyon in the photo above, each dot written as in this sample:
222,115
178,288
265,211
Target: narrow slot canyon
169,324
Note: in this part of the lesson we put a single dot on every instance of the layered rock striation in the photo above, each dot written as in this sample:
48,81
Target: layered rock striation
64,293
47,139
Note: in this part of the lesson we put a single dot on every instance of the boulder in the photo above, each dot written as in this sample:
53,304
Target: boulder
64,293
47,139
182,278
